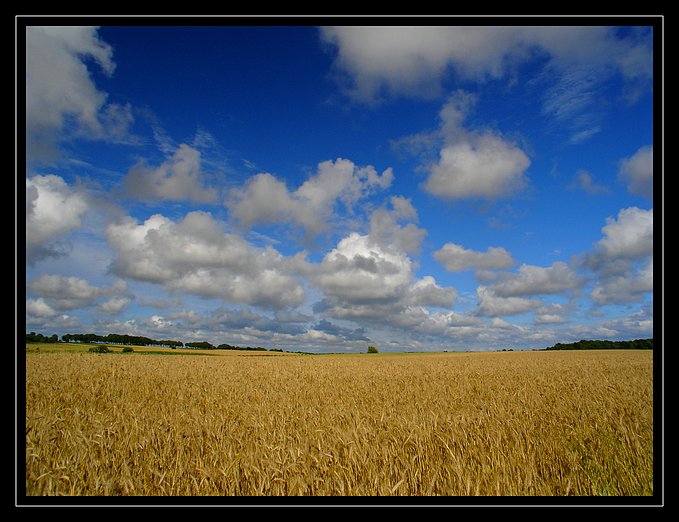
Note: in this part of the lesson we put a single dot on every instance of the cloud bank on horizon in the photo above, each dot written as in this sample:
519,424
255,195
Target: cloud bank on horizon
322,189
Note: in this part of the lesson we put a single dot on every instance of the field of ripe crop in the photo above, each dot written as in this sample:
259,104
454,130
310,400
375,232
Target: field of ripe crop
502,423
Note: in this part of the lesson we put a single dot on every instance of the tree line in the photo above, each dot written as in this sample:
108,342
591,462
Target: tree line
637,344
134,340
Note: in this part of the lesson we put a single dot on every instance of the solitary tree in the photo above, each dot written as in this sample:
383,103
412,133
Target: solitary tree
372,349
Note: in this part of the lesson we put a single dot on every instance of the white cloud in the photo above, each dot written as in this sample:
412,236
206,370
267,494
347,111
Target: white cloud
456,258
177,179
510,294
483,167
628,236
414,61
549,319
39,309
637,172
359,271
266,199
196,256
53,210
61,98
573,64
425,292
58,293
386,230
491,304
622,261
551,314
65,293
625,288
536,280
473,164
371,278
115,305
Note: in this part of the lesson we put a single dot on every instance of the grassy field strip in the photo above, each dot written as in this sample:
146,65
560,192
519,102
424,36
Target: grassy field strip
511,423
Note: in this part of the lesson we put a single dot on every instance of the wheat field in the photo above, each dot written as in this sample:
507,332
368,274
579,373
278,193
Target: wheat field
450,424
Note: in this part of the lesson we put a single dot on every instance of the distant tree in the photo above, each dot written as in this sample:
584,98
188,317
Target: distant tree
102,348
202,345
372,349
585,344
127,349
33,337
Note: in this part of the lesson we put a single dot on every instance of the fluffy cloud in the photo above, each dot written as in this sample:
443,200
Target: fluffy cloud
53,209
456,258
414,60
359,271
491,304
622,260
474,164
196,256
536,280
484,167
369,282
386,227
178,179
629,236
266,199
625,288
370,277
573,63
58,294
637,172
61,98
224,320
511,294
65,293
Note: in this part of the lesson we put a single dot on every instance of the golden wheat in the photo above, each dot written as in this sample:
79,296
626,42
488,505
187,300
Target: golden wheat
509,423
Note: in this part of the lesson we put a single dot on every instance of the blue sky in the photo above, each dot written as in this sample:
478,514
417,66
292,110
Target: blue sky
325,188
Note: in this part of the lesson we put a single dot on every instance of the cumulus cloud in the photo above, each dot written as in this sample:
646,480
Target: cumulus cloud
473,163
637,172
115,305
491,304
371,277
196,256
58,294
387,226
266,199
179,178
38,309
414,61
376,63
629,236
512,293
456,258
485,167
65,293
53,210
625,288
61,98
370,281
359,271
225,319
622,260
536,280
